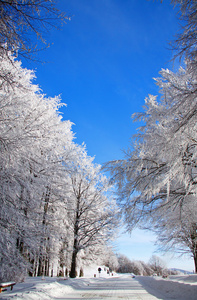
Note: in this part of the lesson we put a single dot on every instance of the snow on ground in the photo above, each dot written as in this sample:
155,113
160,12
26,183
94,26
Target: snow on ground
37,289
175,287
183,287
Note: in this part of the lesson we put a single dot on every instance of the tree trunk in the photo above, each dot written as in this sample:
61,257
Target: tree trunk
195,261
47,266
40,267
43,241
194,244
73,270
74,261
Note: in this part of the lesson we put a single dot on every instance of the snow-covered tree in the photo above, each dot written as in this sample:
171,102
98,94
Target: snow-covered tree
158,175
177,232
92,215
22,19
136,267
156,180
185,43
33,177
110,259
54,200
157,264
159,170
124,264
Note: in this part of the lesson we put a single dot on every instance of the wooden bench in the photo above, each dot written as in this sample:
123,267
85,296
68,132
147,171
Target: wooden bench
6,284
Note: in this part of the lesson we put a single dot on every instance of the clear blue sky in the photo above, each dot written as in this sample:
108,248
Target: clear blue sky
103,63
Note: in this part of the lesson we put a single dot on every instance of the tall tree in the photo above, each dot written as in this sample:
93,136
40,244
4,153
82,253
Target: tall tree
33,175
157,178
92,214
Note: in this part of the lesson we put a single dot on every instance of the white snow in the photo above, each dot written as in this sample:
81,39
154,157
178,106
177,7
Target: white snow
7,283
175,287
183,287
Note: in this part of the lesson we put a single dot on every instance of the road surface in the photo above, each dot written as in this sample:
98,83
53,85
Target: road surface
109,288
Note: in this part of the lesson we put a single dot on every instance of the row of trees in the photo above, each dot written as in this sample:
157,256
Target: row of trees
54,199
155,266
56,208
157,179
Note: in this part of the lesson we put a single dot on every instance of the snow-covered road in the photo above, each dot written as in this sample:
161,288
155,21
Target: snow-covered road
123,287
116,287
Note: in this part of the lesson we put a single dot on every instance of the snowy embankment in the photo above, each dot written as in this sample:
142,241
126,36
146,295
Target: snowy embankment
174,287
38,288
183,287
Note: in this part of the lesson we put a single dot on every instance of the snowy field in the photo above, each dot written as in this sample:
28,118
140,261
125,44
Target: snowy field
118,286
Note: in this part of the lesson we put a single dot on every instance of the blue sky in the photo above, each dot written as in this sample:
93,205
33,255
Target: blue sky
103,63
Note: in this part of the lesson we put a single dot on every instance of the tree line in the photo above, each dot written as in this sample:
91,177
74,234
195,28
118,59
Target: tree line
157,179
56,210
155,266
